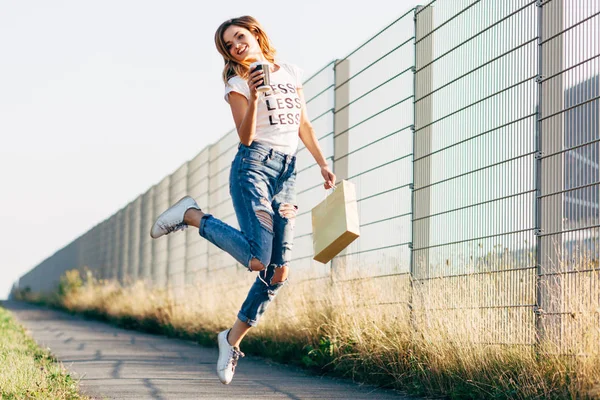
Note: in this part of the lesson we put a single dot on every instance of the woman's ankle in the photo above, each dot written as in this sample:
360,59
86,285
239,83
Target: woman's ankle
192,217
237,333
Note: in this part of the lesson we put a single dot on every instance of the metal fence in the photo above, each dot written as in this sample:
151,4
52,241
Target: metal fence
568,214
470,129
475,105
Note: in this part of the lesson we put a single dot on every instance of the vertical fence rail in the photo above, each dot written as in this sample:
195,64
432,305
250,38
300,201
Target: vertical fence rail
422,144
134,240
110,248
197,250
538,182
124,262
117,246
177,243
146,242
160,248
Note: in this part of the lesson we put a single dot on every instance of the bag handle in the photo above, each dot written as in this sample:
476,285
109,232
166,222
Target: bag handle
329,192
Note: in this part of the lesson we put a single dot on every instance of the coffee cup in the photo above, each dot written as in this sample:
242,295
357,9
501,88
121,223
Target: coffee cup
265,66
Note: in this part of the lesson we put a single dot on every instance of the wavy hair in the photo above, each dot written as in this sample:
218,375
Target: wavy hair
232,66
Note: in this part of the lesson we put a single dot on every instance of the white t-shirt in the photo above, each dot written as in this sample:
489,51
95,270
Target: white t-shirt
278,111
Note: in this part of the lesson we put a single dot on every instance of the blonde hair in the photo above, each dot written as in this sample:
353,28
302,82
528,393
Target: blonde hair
232,66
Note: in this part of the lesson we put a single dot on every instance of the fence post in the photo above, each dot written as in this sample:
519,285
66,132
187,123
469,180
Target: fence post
538,182
550,171
160,248
117,246
125,278
341,121
112,223
423,107
176,260
341,125
134,239
146,242
412,187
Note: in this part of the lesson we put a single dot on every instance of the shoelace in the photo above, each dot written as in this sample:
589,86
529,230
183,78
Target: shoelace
179,227
234,356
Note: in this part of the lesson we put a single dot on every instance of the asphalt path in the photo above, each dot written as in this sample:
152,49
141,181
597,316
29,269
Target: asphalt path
114,363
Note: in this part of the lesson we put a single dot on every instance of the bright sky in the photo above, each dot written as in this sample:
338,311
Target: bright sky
99,100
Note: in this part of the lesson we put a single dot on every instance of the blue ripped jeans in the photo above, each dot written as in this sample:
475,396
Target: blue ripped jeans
262,187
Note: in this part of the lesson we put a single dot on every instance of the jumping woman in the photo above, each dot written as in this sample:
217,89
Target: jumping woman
263,175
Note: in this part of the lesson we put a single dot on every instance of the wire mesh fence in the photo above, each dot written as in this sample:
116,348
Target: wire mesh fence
474,222
471,131
569,175
373,147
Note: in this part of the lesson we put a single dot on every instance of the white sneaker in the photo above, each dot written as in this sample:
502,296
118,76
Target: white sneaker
228,357
172,219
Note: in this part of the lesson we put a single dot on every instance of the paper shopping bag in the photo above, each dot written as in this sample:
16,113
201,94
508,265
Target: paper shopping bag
335,222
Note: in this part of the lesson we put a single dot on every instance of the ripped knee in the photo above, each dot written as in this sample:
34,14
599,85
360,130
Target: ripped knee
288,211
256,265
280,274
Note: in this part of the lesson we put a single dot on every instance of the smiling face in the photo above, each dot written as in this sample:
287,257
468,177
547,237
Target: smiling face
241,44
241,41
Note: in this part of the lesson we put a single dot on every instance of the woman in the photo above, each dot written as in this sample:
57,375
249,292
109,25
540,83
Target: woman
262,178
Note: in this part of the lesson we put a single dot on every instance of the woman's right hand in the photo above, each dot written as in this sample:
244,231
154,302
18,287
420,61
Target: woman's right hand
254,80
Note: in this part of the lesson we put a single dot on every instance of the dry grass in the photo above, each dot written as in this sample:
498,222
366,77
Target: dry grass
457,341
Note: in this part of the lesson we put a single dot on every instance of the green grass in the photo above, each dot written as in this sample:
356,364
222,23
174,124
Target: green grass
26,370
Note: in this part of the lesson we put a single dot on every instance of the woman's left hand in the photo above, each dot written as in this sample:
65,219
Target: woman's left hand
328,176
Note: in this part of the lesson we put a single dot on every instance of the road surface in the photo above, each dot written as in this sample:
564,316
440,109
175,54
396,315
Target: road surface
114,363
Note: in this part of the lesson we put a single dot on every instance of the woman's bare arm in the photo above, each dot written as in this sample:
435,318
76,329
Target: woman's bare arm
244,115
244,110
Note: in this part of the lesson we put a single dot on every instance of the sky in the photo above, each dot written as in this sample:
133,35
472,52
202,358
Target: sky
99,100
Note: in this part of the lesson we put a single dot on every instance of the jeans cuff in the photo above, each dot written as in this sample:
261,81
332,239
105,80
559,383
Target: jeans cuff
202,224
243,318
